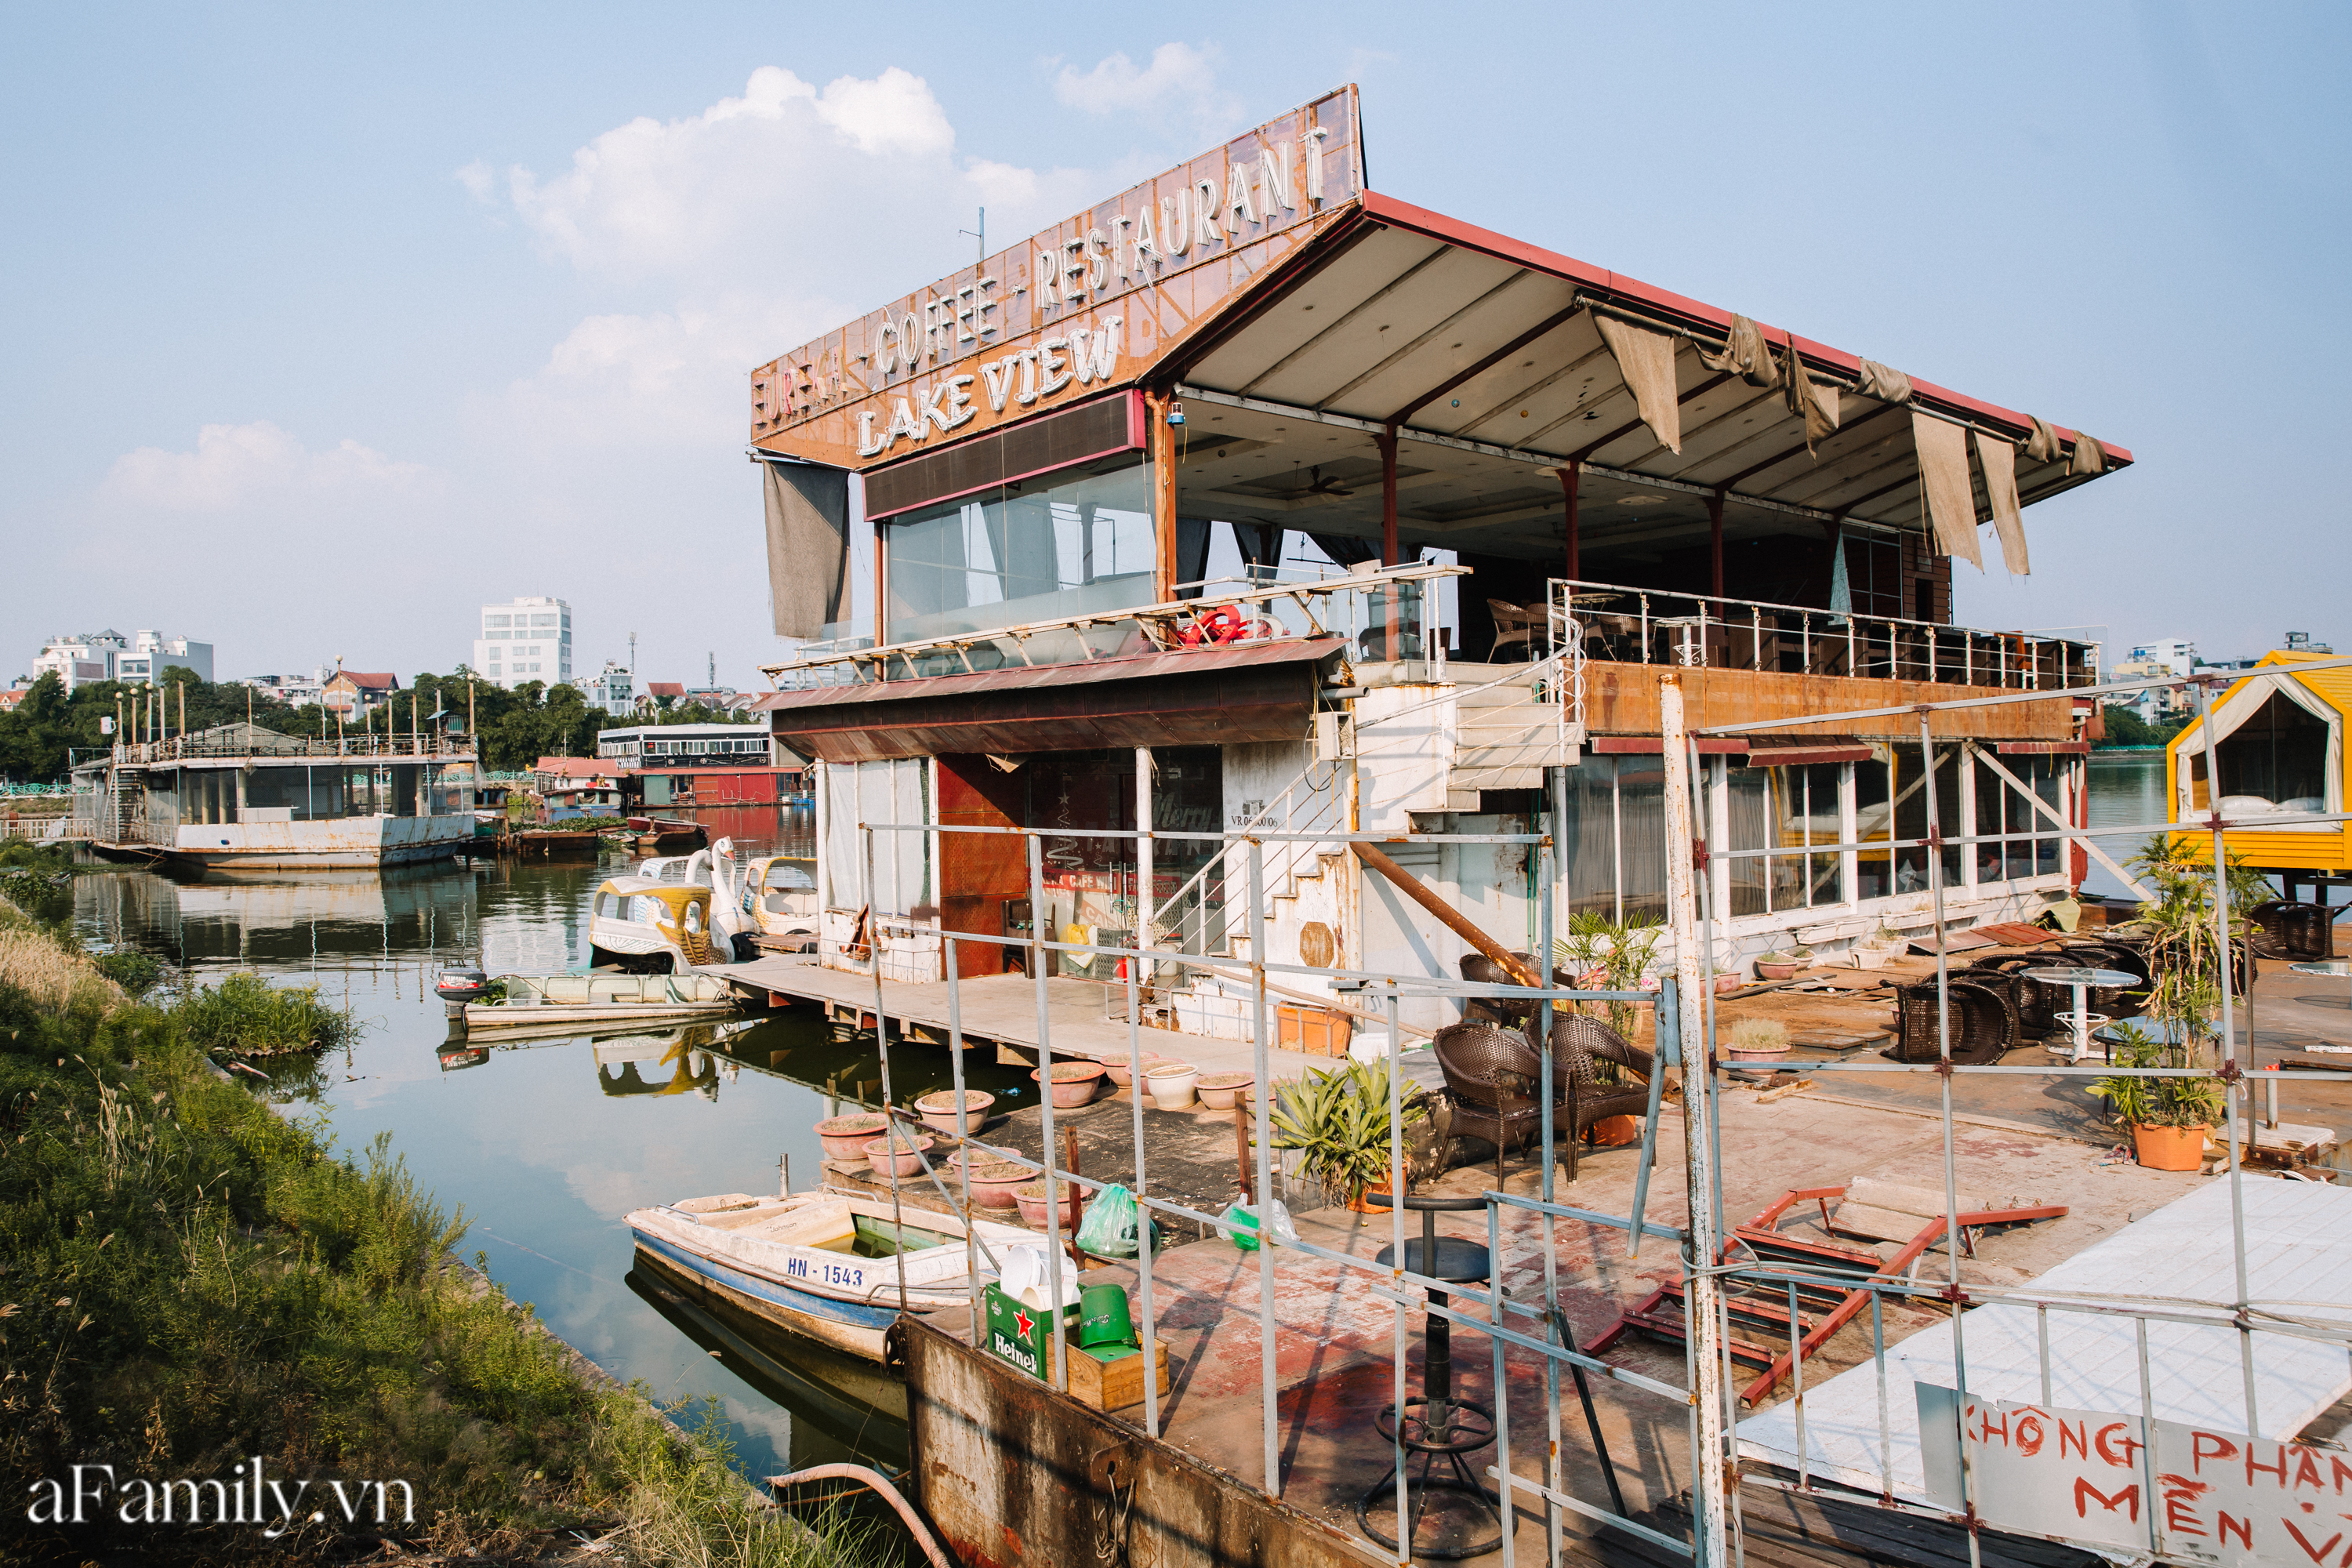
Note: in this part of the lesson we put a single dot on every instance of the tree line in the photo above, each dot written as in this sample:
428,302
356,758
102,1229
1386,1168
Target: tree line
43,734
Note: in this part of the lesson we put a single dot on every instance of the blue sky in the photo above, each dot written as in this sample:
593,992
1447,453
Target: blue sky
323,325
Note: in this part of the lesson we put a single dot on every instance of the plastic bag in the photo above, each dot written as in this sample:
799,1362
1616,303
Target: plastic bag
1107,1229
1239,1226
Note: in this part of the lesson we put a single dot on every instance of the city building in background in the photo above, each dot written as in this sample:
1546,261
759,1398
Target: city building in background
525,639
576,786
356,693
79,660
614,690
150,654
294,690
2154,661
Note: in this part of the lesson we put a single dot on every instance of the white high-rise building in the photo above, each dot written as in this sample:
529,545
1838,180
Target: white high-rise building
525,639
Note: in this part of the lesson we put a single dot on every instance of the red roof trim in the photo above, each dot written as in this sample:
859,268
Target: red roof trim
1654,746
1617,285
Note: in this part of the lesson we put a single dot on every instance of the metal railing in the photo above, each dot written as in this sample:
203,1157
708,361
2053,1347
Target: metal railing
207,747
1622,625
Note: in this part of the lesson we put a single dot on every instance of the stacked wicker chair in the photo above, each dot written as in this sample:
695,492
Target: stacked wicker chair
2284,928
1984,1025
2037,1005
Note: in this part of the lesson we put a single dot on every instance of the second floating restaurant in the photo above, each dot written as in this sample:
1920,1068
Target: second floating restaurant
1520,480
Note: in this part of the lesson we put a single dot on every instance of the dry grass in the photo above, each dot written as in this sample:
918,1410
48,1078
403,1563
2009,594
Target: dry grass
54,976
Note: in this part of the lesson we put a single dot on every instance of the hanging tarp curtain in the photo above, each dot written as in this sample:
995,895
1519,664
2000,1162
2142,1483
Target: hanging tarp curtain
1813,401
808,546
1744,355
1886,385
2236,710
856,793
1192,553
1646,360
1997,460
1346,549
1951,501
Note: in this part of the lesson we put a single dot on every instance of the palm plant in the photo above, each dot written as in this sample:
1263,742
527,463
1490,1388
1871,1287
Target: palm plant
1620,950
1340,1118
2184,953
2156,1101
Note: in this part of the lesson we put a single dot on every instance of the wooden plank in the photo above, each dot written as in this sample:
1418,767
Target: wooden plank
1622,700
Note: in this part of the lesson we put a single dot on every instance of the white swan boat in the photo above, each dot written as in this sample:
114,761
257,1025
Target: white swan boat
539,1000
825,1265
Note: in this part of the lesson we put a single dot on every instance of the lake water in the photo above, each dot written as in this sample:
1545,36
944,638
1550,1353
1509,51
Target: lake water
546,1147
543,1146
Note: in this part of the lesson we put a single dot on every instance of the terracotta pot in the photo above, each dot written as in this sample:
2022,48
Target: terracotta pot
1074,1082
1035,1206
898,1155
939,1111
845,1137
1757,1053
2170,1148
1170,1086
992,1185
1120,1070
1362,1204
1221,1090
1614,1131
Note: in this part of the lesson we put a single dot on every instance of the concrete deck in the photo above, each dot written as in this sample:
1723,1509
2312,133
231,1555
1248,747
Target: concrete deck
1335,1338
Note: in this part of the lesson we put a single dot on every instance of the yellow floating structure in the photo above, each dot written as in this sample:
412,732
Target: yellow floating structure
2279,742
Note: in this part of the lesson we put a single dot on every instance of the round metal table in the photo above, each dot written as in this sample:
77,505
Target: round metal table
2083,981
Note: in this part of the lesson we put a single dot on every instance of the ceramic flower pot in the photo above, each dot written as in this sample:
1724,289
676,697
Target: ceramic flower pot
1223,1091
1074,1083
1035,1206
1170,1085
898,1155
845,1137
1120,1070
939,1111
993,1185
1614,1131
2170,1148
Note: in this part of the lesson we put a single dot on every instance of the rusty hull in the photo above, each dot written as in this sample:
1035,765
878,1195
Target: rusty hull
1013,1474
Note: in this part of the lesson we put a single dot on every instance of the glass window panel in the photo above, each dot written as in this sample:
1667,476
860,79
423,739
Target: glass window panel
1746,789
1590,836
1642,834
1040,550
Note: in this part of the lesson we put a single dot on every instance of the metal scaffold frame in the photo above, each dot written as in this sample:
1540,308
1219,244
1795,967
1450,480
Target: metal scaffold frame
1686,1042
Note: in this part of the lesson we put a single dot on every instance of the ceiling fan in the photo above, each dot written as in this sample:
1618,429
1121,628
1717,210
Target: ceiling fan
1319,486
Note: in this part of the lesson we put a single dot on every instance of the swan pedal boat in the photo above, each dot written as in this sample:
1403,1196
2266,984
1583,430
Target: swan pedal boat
824,1265
537,1000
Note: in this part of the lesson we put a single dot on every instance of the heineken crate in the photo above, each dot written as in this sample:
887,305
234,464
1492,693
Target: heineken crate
1107,1378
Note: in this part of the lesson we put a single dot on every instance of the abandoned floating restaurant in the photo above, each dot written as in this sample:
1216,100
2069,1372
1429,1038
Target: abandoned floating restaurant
1253,498
238,797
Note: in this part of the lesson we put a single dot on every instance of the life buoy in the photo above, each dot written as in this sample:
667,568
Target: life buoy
1226,623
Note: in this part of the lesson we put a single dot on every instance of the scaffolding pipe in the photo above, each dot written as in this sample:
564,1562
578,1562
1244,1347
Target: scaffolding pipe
1710,1478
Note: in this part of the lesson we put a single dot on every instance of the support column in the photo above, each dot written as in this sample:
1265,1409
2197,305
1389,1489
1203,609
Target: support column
1143,889
1161,440
1569,476
1390,551
1715,547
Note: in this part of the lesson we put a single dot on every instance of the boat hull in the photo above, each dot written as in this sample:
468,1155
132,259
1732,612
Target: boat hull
847,1326
482,1017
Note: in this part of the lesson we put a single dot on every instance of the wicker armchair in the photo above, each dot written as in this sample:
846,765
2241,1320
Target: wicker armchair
1983,1023
1494,1078
2285,929
1480,970
2037,1005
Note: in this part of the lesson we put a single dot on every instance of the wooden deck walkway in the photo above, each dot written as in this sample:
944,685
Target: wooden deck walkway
999,1010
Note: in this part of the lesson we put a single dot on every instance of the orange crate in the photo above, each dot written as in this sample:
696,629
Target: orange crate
1313,1030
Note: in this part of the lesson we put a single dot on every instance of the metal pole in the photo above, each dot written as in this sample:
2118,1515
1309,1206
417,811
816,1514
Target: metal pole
1398,1184
1143,889
963,1130
1552,1477
2228,1052
890,1131
1046,1111
1135,1087
1263,1101
1703,1291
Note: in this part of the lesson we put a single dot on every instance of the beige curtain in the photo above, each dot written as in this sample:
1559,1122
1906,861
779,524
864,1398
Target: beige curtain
2090,457
1646,360
2042,445
1943,449
1886,385
1745,354
1997,460
1815,402
808,546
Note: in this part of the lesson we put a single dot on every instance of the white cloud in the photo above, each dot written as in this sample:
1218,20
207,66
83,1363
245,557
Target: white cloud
243,466
1181,81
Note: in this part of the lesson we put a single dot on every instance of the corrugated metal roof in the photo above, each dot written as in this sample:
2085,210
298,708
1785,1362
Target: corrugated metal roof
1141,667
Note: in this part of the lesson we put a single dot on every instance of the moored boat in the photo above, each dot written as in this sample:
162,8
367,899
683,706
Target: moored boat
828,1266
591,1000
646,923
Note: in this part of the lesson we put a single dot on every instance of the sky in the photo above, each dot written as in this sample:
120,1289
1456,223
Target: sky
323,325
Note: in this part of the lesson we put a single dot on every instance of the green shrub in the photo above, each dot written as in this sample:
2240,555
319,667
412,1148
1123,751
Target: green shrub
134,972
246,1015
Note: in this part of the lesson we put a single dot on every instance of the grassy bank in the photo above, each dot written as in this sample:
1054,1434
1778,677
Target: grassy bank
189,1281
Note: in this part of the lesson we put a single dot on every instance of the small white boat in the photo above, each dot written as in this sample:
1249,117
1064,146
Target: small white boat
536,1001
825,1265
779,894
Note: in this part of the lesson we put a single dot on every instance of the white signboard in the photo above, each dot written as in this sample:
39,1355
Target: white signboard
2188,1493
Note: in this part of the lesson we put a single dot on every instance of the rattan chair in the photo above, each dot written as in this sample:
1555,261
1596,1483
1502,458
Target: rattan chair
2284,928
1480,970
1494,1078
2037,1005
1983,1023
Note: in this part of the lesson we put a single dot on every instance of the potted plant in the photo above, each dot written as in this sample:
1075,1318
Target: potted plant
2170,1117
1341,1120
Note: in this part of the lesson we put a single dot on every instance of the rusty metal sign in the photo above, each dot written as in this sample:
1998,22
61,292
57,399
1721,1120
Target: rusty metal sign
1092,302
